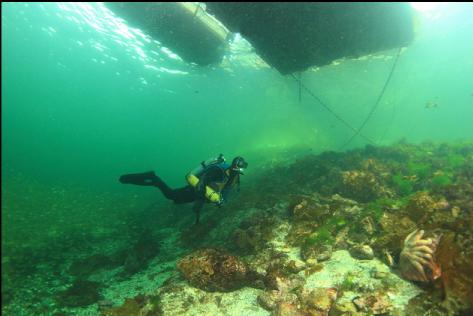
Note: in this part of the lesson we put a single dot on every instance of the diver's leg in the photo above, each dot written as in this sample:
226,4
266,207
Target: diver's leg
183,195
186,194
166,190
145,178
179,196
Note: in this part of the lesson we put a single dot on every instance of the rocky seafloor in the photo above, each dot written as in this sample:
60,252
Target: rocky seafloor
373,231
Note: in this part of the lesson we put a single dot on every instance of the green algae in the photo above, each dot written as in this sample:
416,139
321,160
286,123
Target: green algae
455,161
321,236
419,169
349,282
336,221
403,186
441,180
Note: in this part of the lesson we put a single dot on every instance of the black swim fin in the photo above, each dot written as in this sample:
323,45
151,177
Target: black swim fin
145,178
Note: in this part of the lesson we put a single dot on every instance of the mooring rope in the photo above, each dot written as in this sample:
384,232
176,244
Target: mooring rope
377,101
330,110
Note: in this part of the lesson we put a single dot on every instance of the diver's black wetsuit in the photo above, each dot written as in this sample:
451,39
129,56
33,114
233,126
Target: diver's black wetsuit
186,194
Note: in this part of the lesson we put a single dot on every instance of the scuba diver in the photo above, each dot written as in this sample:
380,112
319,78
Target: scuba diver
210,182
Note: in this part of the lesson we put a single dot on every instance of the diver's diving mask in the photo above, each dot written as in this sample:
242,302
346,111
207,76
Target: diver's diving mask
239,164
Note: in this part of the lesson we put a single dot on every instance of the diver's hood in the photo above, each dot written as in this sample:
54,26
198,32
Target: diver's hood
239,165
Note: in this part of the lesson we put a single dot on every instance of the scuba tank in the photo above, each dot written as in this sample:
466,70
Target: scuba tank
193,178
204,164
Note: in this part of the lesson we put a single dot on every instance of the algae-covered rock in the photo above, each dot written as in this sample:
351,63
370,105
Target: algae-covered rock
344,308
253,233
362,186
455,256
300,232
393,231
319,300
140,305
319,253
286,293
362,252
213,270
141,253
268,300
287,309
93,264
183,299
426,304
420,207
81,293
309,209
373,304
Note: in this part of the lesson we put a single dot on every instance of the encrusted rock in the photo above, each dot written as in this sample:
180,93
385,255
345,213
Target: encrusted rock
362,252
308,209
268,300
455,211
455,255
287,309
362,186
387,258
80,294
284,300
368,225
295,266
253,233
374,304
394,230
379,274
290,285
344,308
420,207
319,253
320,300
213,270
